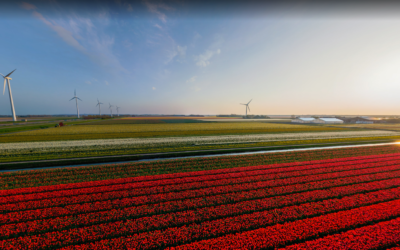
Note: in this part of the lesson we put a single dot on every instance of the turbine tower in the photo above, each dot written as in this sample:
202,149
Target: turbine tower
111,109
247,106
99,104
118,110
76,99
7,79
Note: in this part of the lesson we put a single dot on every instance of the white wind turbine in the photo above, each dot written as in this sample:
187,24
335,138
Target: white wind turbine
247,106
76,99
99,104
7,79
118,110
111,109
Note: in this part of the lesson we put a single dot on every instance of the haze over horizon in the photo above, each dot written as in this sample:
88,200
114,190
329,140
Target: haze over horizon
185,57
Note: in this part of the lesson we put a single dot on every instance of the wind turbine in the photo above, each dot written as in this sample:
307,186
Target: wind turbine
118,110
99,104
7,79
76,99
247,106
111,109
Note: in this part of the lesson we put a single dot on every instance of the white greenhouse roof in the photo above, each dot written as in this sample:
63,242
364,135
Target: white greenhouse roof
330,119
306,118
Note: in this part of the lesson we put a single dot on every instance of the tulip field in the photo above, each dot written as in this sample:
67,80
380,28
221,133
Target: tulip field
323,199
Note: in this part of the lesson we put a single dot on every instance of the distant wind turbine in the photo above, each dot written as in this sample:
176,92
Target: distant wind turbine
76,99
247,106
111,109
7,79
118,110
99,104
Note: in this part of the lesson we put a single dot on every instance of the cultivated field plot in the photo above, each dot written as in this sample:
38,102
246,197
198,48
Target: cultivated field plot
349,200
390,127
77,132
81,148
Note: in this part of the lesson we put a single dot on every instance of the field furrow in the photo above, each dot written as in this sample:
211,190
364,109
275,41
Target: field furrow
282,234
217,228
378,236
195,216
288,183
204,181
179,205
115,171
173,178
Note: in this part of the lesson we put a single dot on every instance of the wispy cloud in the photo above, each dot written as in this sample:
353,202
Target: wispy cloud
28,6
153,88
203,60
158,26
192,79
88,82
85,36
181,50
106,82
61,31
155,9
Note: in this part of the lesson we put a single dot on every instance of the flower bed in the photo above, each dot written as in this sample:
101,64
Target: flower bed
313,204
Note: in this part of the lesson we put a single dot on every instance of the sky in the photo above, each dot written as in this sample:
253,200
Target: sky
201,57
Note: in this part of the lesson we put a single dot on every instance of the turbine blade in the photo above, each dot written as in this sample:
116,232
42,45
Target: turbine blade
4,88
248,108
243,104
78,99
10,73
249,101
2,74
72,98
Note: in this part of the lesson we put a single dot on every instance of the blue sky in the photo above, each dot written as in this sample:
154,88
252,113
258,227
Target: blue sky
179,58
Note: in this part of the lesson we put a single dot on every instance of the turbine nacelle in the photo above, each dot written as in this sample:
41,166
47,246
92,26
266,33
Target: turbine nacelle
247,106
7,78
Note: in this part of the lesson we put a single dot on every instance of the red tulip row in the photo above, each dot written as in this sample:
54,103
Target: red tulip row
169,179
209,229
181,184
380,235
113,171
163,197
193,216
181,205
282,234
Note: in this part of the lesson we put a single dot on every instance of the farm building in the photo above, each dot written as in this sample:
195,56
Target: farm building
303,120
359,120
327,120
